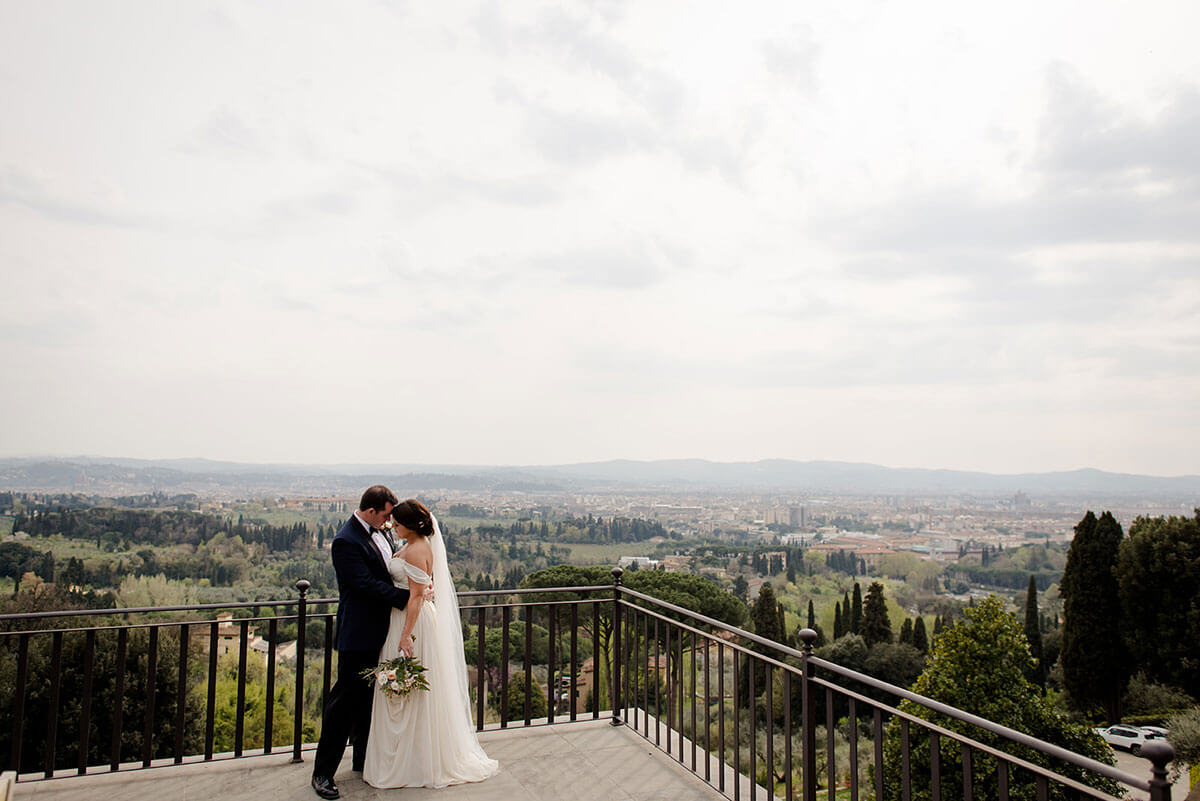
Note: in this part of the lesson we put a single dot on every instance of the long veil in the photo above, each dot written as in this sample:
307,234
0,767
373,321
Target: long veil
449,624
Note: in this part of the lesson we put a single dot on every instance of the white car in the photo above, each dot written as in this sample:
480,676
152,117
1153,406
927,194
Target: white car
1129,738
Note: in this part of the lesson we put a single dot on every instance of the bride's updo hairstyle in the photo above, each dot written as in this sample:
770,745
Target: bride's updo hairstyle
414,516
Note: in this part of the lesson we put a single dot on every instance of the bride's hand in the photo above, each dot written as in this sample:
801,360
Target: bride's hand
406,645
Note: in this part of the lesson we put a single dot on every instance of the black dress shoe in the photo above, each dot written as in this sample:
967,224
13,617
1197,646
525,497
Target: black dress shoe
325,787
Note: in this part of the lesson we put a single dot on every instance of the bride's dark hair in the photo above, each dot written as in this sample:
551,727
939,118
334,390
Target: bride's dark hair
413,515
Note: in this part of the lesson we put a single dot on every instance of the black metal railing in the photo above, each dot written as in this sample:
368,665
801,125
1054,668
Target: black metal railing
718,737
750,717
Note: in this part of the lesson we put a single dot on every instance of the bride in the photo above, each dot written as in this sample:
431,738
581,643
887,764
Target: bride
427,738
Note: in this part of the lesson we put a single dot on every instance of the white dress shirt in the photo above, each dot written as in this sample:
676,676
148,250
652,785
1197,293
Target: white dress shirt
385,550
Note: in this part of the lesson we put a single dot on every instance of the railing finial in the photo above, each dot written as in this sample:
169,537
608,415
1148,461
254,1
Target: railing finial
808,637
1160,753
303,585
616,574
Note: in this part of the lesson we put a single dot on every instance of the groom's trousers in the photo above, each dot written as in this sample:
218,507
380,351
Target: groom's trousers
347,713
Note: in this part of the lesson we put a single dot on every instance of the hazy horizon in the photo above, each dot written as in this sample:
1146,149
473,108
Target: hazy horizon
933,235
434,466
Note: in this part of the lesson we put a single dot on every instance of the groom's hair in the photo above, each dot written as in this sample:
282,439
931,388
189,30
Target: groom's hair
377,497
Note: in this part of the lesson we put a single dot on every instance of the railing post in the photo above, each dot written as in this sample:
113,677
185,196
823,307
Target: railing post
808,716
302,585
1160,753
616,645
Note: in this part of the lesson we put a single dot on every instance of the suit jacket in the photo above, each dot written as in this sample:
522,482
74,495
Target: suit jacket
365,590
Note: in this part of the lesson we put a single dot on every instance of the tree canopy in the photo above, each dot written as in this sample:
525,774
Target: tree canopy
979,667
1159,580
696,593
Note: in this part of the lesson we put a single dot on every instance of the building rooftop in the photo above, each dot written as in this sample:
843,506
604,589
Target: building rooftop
582,761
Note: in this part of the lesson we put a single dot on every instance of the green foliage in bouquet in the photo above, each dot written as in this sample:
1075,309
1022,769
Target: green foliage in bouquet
398,677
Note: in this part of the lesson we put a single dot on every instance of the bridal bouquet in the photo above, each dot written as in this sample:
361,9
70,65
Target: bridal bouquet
398,677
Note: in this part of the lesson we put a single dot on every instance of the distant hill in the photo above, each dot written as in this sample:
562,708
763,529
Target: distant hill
117,476
860,477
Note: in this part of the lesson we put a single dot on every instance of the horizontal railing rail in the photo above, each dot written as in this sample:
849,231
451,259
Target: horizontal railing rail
755,716
118,610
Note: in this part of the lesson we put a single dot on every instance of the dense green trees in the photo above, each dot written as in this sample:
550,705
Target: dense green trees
696,593
516,700
1158,572
979,667
166,527
69,720
1094,664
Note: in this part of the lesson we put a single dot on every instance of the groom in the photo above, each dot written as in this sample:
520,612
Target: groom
366,596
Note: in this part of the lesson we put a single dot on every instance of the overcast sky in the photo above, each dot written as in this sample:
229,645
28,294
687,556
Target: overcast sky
923,234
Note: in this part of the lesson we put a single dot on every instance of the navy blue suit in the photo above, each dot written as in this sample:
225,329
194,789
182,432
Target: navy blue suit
366,597
366,594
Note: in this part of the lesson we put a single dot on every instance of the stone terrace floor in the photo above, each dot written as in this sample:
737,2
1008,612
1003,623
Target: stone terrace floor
581,761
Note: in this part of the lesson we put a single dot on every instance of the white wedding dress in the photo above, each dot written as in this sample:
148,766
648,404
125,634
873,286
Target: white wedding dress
427,738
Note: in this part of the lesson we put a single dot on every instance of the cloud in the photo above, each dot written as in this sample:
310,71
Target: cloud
1086,137
585,138
620,104
1099,175
633,265
582,41
225,132
304,207
421,192
19,187
792,58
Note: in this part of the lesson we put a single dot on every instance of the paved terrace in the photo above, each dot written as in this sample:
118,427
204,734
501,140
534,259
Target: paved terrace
581,761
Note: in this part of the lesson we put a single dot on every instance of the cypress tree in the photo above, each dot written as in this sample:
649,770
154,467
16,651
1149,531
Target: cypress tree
767,623
920,640
1094,667
875,626
766,615
812,618
783,635
838,626
906,631
1033,633
856,610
